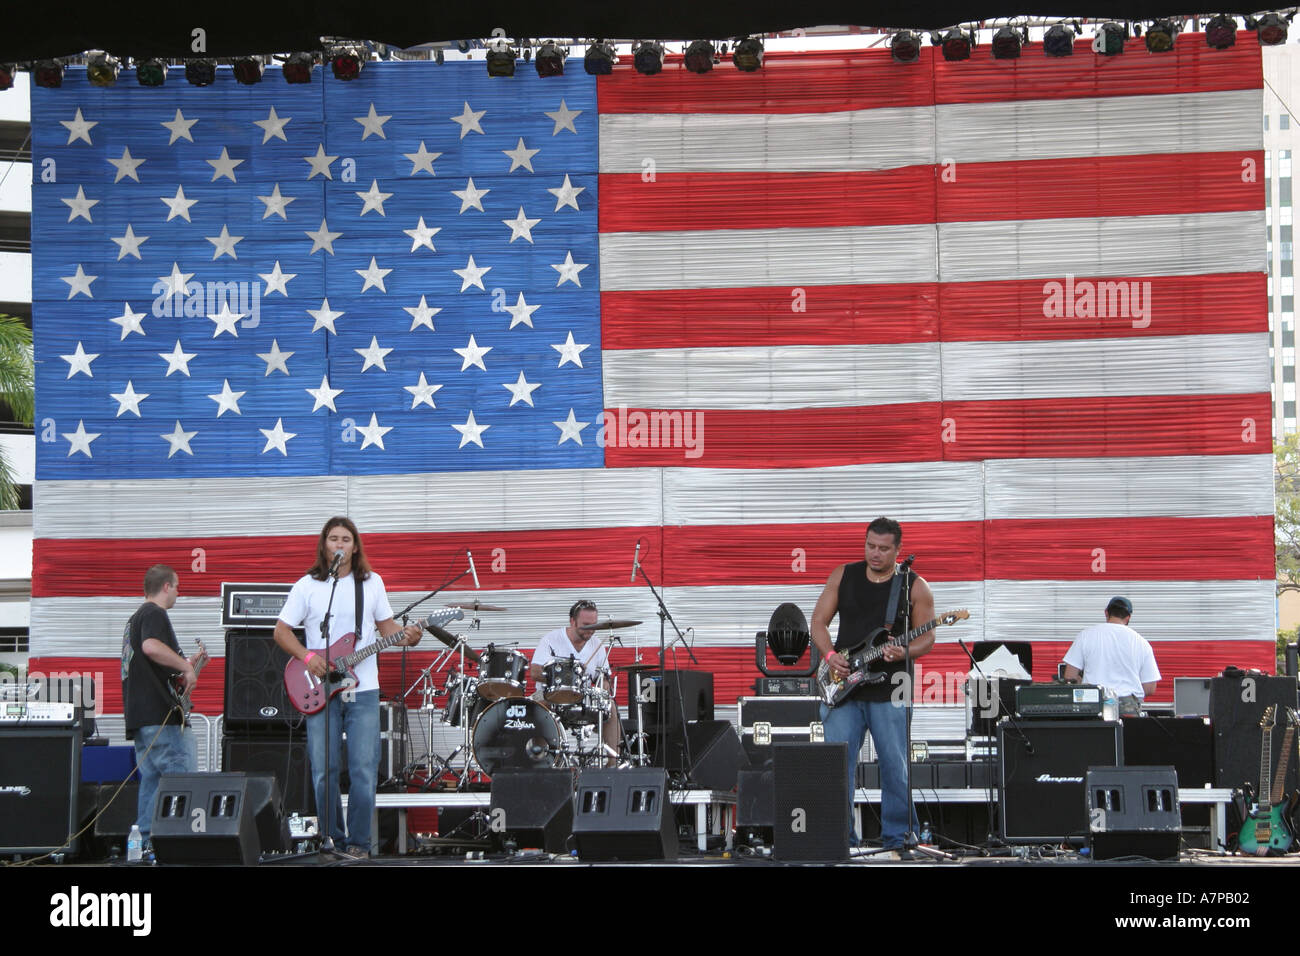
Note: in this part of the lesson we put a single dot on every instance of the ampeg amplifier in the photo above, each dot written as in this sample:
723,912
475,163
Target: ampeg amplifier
1068,701
252,605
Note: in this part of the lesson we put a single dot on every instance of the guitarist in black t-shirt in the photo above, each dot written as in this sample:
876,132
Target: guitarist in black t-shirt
860,594
150,656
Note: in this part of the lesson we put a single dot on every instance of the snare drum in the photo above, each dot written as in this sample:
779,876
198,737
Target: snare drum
516,734
564,680
501,674
594,706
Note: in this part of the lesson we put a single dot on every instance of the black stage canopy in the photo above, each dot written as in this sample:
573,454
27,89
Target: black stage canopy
167,29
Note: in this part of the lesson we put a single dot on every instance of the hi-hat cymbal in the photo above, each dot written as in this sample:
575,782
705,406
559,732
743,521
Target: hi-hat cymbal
475,606
613,625
451,640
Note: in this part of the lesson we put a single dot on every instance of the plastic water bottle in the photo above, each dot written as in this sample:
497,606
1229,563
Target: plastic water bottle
1109,704
134,845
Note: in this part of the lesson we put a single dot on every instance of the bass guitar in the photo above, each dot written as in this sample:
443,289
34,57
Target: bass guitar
864,659
309,694
1265,831
176,683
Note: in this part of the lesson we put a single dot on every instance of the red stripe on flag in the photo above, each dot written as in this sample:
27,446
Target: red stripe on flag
1107,427
1134,549
1191,67
812,315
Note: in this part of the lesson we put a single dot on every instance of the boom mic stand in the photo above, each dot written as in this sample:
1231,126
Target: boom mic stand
327,840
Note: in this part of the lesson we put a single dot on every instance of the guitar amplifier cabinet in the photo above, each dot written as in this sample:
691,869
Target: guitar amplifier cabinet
40,774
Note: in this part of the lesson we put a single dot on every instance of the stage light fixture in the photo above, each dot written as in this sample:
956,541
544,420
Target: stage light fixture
954,44
102,69
1270,28
150,72
1058,41
1220,32
347,62
7,71
550,59
700,56
1161,36
501,58
1007,42
905,47
600,59
648,57
48,73
201,71
247,69
1110,38
298,68
748,54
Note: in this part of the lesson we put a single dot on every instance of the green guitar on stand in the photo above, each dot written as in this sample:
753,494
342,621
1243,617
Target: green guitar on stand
1266,831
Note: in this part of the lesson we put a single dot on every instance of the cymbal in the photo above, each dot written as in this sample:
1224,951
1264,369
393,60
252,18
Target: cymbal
475,606
451,640
613,625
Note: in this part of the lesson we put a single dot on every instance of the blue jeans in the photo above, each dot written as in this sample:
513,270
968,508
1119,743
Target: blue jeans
174,751
359,719
887,721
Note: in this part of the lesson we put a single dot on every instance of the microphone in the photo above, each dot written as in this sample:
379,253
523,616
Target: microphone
908,563
471,567
338,559
636,561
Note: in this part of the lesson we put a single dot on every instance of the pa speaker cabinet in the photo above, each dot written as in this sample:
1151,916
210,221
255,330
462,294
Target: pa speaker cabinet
811,811
256,700
1133,811
40,774
532,808
1185,742
218,818
624,815
684,696
1237,706
709,756
286,758
1042,774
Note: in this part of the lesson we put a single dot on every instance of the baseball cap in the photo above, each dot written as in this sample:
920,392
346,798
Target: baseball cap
1122,604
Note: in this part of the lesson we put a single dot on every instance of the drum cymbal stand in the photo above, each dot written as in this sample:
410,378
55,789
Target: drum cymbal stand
428,690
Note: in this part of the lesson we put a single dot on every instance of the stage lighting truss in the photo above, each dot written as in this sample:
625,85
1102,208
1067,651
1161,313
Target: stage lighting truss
550,59
501,57
748,54
201,71
1110,38
954,44
1161,36
102,69
1270,28
297,68
150,72
48,73
599,59
905,47
1007,42
1058,41
648,57
347,62
248,69
700,57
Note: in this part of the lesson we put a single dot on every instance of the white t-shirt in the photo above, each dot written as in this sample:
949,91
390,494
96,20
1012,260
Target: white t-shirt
556,643
306,606
1114,656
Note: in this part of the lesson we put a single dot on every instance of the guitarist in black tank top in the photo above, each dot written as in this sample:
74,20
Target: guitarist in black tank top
860,593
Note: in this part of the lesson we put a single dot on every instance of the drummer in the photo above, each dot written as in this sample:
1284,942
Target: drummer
576,641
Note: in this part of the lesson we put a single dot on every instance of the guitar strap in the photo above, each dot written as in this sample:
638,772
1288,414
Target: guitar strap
357,620
895,589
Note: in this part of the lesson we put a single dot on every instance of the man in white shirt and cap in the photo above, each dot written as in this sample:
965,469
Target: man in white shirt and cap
1114,655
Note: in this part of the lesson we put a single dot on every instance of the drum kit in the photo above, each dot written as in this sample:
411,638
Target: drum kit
562,725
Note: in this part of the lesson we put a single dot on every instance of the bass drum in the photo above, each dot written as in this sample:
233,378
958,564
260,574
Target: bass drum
516,734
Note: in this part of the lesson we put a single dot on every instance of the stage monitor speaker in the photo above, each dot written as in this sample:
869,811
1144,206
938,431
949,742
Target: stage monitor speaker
1133,811
810,809
116,818
40,773
1042,776
287,759
1237,706
218,818
256,701
709,756
532,809
624,815
684,696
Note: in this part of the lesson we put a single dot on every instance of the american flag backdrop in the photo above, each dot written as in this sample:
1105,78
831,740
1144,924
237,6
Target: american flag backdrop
1017,305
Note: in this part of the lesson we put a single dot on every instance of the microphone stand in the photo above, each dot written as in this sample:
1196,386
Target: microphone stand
327,840
662,734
